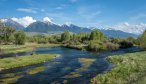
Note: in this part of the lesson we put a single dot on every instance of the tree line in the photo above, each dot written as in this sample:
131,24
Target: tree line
9,35
94,41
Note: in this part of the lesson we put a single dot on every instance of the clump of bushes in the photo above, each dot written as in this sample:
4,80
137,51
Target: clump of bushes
95,45
20,38
54,39
42,41
125,44
9,35
101,46
111,46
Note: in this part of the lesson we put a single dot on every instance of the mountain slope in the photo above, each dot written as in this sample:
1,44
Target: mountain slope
46,27
10,22
117,33
1,24
42,27
74,28
52,28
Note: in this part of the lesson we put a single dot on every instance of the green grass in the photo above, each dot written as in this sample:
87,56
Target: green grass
11,80
36,70
13,62
23,48
129,69
79,47
85,63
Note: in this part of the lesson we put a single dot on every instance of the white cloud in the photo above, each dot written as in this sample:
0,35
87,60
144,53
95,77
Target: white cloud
25,21
28,10
126,27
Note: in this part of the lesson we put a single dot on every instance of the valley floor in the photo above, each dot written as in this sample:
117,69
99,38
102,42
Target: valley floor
129,69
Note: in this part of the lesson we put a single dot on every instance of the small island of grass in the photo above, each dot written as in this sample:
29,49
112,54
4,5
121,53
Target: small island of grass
23,48
14,62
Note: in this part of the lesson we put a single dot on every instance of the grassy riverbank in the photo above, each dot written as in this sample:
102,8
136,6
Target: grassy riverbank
129,69
23,48
78,47
13,62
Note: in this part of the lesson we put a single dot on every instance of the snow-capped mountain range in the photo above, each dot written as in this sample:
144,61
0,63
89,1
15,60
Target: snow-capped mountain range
47,26
130,28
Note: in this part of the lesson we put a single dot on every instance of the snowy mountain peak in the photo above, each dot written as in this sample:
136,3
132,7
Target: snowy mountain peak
3,20
129,28
67,24
12,23
47,20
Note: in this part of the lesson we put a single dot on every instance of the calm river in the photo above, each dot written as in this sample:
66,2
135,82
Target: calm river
72,67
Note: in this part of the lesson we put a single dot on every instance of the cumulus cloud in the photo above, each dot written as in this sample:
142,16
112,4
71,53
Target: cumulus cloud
130,28
47,19
28,10
25,21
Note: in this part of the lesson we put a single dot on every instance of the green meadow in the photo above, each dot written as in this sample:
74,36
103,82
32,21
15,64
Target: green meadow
129,69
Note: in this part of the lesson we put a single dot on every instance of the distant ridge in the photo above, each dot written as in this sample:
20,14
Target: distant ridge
117,33
49,27
10,22
52,28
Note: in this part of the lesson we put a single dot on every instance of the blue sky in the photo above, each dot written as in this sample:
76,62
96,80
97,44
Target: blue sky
96,13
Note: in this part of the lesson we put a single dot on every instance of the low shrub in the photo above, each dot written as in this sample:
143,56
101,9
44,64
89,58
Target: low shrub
111,46
125,44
